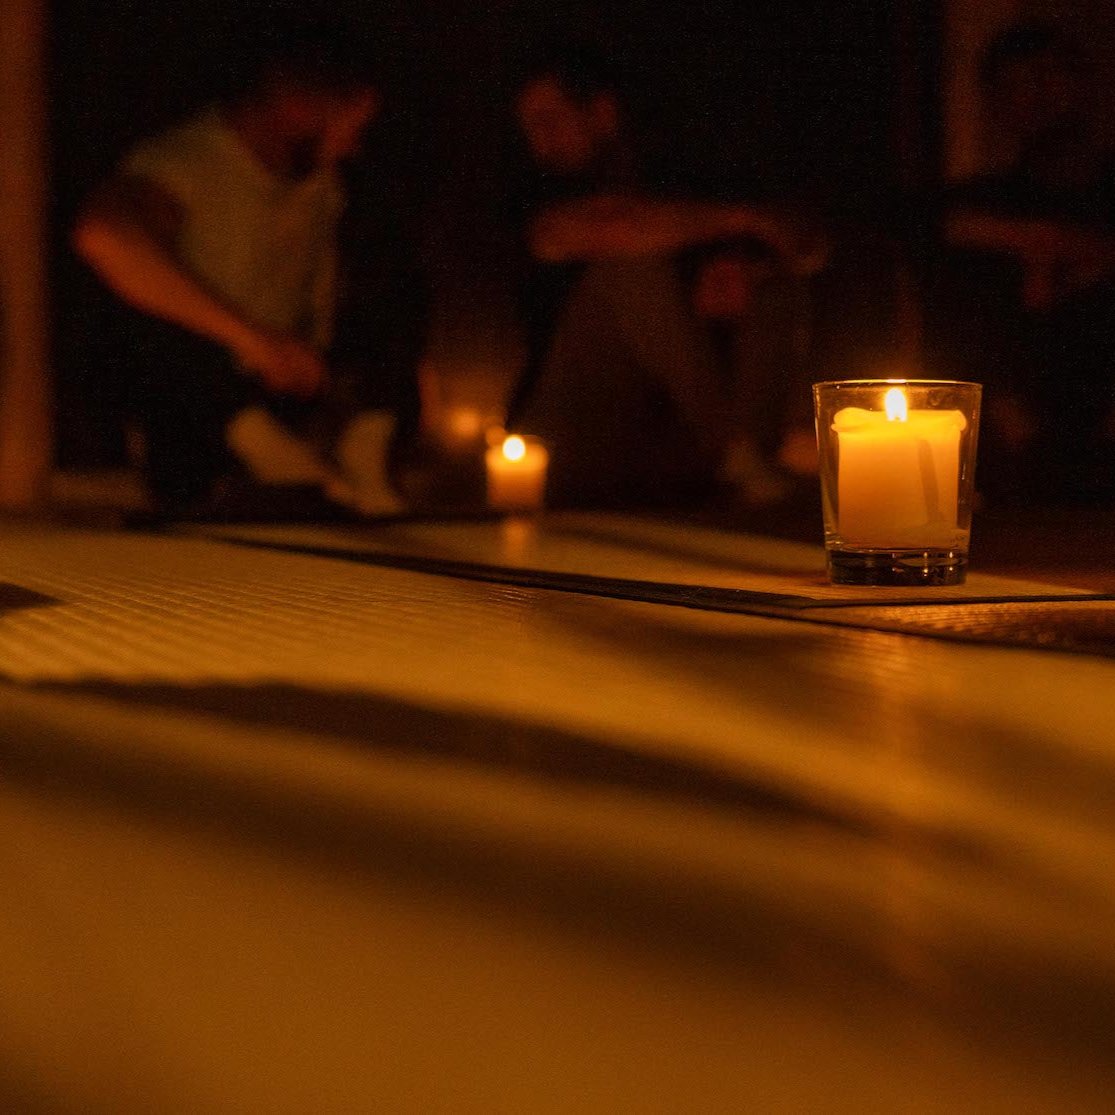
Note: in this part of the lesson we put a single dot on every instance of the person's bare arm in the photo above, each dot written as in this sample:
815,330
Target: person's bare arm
611,225
1058,258
126,234
1024,237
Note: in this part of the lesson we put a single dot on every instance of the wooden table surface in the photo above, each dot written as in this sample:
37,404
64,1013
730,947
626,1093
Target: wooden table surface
291,832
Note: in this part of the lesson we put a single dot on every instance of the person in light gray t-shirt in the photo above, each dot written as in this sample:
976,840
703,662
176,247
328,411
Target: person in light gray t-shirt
222,235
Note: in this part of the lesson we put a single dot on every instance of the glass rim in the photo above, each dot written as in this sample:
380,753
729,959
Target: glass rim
898,383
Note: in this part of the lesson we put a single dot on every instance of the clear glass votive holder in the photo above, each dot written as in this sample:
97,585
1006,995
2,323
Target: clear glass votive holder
897,469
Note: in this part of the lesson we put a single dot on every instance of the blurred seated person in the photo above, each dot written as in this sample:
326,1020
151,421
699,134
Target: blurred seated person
757,318
220,237
621,377
1030,304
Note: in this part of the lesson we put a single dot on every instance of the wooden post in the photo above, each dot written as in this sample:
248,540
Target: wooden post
25,396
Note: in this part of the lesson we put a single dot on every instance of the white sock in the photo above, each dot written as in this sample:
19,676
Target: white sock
744,468
362,451
272,453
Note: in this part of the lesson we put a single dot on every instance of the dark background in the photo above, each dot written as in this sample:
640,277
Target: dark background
834,103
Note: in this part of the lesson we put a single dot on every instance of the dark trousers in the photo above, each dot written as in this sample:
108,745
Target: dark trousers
632,399
627,398
1057,364
183,390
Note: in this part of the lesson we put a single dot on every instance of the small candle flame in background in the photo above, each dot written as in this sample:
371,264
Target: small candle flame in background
514,448
895,404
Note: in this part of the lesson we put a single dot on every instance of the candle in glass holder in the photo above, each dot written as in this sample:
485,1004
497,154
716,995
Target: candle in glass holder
516,469
897,463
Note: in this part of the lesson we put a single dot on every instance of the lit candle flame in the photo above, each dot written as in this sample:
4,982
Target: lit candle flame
895,403
514,448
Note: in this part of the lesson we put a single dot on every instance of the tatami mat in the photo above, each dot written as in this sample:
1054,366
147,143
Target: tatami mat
632,548
908,827
633,558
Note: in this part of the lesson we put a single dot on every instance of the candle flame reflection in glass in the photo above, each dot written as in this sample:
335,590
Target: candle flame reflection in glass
894,402
514,448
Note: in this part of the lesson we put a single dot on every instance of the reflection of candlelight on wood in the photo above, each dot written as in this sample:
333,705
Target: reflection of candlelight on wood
517,537
516,474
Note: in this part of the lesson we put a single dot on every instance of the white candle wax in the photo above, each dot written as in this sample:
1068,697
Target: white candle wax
516,474
898,476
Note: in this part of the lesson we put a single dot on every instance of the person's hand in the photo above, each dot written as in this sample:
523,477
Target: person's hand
802,245
808,248
1039,287
1046,253
285,364
1087,256
345,128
